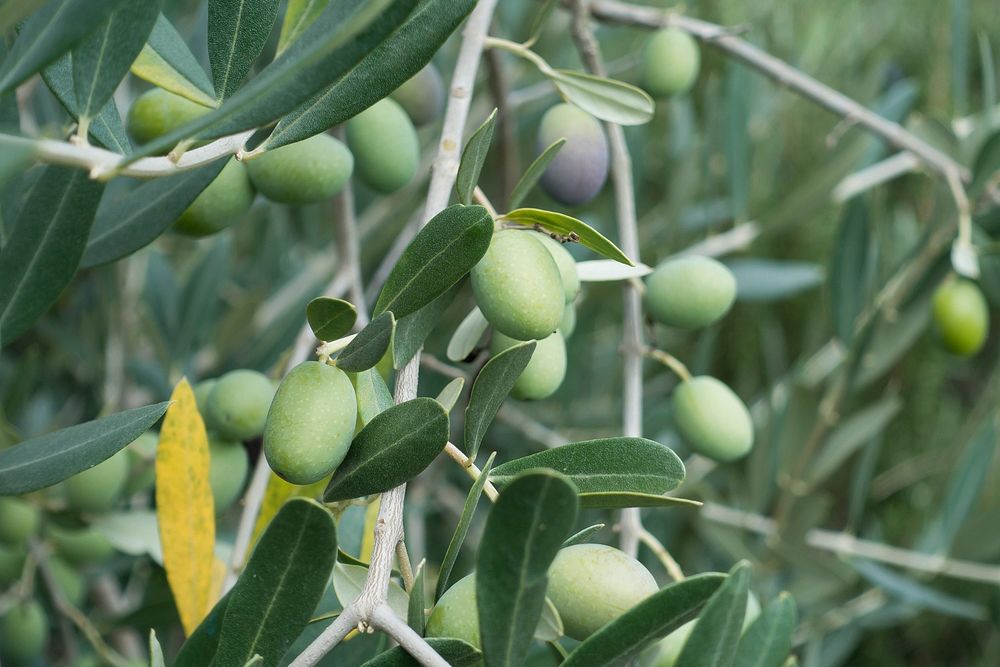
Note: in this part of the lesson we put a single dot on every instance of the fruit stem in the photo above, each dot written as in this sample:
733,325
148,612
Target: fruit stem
670,361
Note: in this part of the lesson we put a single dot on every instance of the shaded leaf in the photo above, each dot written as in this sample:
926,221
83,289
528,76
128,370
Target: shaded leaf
772,280
620,499
715,636
106,128
987,163
369,346
166,62
134,532
473,157
534,172
155,651
412,330
415,617
373,395
849,271
490,389
608,99
583,535
462,529
768,640
449,396
853,433
918,594
457,652
349,581
237,32
467,335
565,225
331,318
299,15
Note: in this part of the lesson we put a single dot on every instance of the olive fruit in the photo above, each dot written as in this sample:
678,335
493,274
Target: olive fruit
142,463
219,205
24,632
455,614
667,650
68,579
545,370
689,292
580,168
712,419
97,489
18,521
80,546
593,584
238,404
311,423
157,112
305,172
568,324
517,286
11,563
670,63
385,146
962,316
422,95
202,390
227,471
564,262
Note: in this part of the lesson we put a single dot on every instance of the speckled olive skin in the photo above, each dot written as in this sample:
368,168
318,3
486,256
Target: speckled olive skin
311,423
544,372
24,632
422,95
689,292
18,521
517,286
712,420
670,63
667,650
227,472
99,488
564,262
455,614
157,111
81,545
962,316
580,168
306,172
220,205
238,404
593,584
385,146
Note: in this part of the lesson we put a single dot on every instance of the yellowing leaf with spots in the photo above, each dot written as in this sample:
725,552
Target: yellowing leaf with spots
184,507
278,492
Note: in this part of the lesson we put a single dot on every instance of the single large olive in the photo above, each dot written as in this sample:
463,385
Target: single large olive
157,111
11,563
665,652
311,423
18,521
517,286
238,404
385,146
545,370
670,63
580,168
24,632
962,316
97,489
689,292
422,95
227,472
141,463
455,614
220,205
306,172
564,262
711,419
593,584
80,545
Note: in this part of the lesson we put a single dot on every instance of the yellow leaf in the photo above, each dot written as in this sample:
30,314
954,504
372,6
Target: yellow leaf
151,67
278,492
184,507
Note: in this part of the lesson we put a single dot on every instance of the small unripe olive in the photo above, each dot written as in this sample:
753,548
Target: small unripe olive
142,463
81,545
564,262
238,404
202,391
11,564
221,204
69,580
689,292
962,316
311,423
305,172
667,650
545,370
227,471
712,419
568,324
670,63
580,168
157,112
18,521
24,632
97,489
517,286
422,95
455,614
385,146
593,584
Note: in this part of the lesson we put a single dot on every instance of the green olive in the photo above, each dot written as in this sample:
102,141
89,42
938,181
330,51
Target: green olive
305,172
311,423
545,370
517,286
99,488
667,650
455,614
712,420
568,324
80,546
142,463
222,203
422,95
157,112
202,391
69,580
564,262
227,472
238,404
24,632
690,292
11,564
670,63
19,520
385,146
962,316
579,170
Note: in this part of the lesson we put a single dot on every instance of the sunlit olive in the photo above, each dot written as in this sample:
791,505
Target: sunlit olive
580,168
711,419
665,652
97,489
238,404
227,472
80,545
18,521
157,112
422,95
670,63
305,172
220,205
24,632
962,316
545,370
689,292
385,147
564,262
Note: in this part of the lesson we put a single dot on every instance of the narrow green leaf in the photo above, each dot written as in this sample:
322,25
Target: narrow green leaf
534,172
106,128
373,394
550,625
349,581
455,651
853,433
403,53
237,32
48,459
412,330
283,582
583,535
570,227
13,12
849,270
393,448
103,59
491,387
986,164
467,335
200,297
605,270
763,280
462,529
524,531
331,318
166,62
44,249
299,15
919,594
713,641
199,649
15,154
438,257
155,651
449,396
473,158
620,499
624,638
768,640
369,346
415,617
608,99
134,220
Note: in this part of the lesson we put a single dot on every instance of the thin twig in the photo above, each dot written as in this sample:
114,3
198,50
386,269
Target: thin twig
386,620
660,551
470,468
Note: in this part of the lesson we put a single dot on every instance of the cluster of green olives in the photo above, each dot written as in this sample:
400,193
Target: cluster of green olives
525,286
962,316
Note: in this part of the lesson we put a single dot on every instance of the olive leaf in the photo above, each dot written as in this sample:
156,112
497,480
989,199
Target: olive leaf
768,640
604,270
490,389
201,645
462,529
608,99
412,330
166,62
850,268
452,391
568,226
373,395
714,639
106,128
369,346
621,499
583,535
415,617
237,32
473,157
455,651
349,581
534,172
330,318
299,15
467,335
